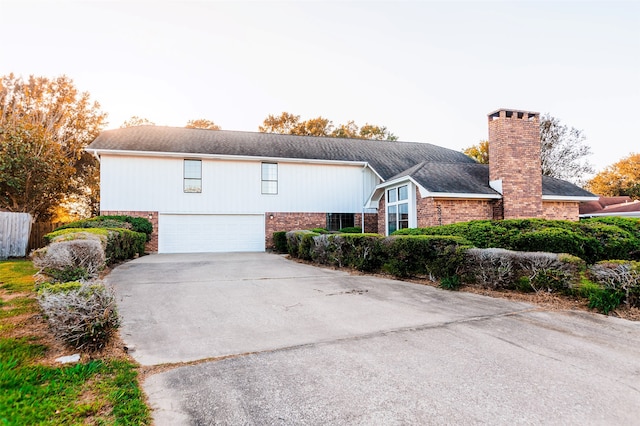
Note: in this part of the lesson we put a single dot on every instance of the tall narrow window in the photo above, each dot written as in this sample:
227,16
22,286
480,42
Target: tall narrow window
397,208
192,176
269,178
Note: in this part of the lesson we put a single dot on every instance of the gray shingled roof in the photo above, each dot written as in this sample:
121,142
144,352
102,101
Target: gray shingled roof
461,178
436,168
386,158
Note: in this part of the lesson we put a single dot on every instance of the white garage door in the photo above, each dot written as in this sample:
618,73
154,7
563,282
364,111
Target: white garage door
180,233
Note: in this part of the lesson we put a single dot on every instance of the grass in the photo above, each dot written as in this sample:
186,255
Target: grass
103,391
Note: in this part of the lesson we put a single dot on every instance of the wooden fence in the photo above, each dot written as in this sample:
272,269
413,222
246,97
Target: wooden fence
38,231
14,234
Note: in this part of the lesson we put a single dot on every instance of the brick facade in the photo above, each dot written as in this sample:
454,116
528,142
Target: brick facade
152,246
514,158
441,211
560,210
289,221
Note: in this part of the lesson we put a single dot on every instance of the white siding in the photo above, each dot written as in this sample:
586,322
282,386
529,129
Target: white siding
231,187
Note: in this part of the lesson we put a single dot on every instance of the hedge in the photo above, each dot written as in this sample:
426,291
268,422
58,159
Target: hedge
120,244
136,224
435,256
592,239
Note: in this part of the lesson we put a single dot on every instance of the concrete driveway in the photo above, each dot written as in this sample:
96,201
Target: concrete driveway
272,341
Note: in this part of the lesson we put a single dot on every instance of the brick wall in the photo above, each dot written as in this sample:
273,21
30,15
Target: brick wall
152,246
514,158
434,212
279,221
560,210
289,221
382,216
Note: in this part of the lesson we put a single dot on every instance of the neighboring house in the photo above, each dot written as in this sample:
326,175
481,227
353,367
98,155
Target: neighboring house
216,190
611,206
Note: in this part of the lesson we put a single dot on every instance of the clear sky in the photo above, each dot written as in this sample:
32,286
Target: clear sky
429,71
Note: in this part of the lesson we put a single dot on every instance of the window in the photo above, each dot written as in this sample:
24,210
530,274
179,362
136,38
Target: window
397,208
192,176
269,178
337,221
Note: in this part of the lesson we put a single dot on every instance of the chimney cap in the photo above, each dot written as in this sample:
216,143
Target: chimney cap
509,112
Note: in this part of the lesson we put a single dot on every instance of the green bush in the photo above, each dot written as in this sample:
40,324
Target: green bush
450,283
280,241
592,240
294,243
432,255
364,252
319,230
121,244
619,276
136,224
351,230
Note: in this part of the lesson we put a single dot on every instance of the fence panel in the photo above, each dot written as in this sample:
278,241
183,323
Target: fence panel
14,234
38,231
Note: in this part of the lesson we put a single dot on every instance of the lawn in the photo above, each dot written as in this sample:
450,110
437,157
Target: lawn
102,389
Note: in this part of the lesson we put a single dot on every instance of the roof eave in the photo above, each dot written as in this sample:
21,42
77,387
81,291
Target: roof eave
568,198
116,152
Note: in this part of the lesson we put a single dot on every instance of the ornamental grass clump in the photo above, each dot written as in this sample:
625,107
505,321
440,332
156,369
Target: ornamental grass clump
84,317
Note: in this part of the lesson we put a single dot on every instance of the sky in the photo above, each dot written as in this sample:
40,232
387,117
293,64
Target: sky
430,71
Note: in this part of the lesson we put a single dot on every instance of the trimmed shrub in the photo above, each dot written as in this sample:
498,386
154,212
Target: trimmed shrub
136,224
83,317
295,245
71,260
351,230
591,240
554,240
280,241
119,244
538,271
364,252
490,268
416,255
320,230
619,276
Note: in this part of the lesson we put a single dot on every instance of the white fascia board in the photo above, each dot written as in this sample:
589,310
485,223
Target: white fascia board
622,214
568,198
463,196
115,152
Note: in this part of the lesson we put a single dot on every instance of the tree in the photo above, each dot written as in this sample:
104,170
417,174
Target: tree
290,124
202,123
137,121
45,124
563,151
479,152
282,124
621,178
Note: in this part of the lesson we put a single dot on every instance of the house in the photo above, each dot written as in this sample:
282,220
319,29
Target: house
217,190
622,206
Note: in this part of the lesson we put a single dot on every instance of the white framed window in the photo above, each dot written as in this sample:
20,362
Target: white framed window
192,176
397,208
270,178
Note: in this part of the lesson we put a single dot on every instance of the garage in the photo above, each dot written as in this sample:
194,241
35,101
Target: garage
201,233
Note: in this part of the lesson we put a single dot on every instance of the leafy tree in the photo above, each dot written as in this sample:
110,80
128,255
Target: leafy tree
563,151
621,178
283,124
290,124
137,121
479,152
202,123
45,124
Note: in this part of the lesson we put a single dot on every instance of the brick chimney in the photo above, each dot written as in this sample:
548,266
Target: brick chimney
514,162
